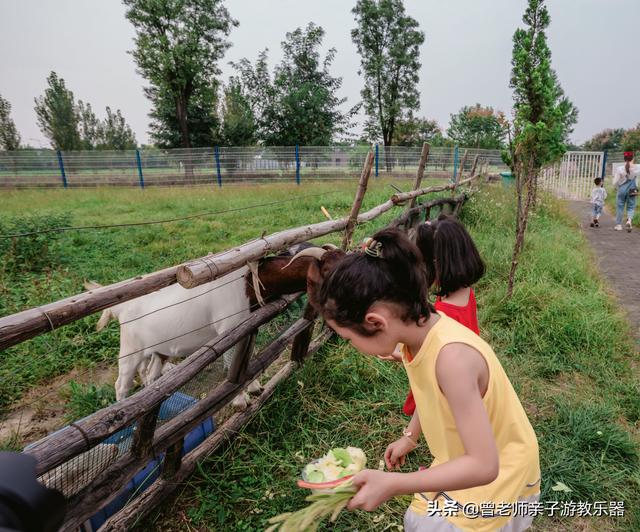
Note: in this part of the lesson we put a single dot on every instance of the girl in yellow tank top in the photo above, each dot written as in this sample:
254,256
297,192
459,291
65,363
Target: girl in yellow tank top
485,474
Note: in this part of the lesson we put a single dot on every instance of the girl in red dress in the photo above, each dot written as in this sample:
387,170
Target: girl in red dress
453,266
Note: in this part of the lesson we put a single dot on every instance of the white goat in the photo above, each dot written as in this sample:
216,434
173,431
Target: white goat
175,322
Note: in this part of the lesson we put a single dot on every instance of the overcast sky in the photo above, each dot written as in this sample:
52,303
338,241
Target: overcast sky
465,58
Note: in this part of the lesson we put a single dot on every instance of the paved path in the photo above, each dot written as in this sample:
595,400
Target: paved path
618,254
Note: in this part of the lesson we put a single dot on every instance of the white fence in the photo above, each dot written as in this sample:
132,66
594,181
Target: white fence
572,177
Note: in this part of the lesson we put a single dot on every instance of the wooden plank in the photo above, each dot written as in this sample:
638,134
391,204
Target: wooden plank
161,488
72,440
105,487
136,510
357,202
29,323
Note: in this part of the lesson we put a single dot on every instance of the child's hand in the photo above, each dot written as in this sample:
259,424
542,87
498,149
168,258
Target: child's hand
396,356
374,488
394,456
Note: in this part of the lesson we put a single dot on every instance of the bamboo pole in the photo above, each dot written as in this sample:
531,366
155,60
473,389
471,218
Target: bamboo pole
424,156
357,202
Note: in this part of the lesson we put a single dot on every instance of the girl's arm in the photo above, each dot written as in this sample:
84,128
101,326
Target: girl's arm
459,369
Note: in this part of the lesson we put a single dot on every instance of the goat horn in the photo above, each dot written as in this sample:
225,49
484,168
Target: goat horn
329,246
316,253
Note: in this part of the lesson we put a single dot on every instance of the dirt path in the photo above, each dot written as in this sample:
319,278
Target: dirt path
618,254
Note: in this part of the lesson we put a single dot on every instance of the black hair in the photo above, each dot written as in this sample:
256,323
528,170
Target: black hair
597,181
397,276
451,258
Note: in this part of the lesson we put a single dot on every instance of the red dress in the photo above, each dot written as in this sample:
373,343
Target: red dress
467,315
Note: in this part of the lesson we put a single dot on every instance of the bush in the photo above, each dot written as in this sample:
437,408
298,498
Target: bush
31,252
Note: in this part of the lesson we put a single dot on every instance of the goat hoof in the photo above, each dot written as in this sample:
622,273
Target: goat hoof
241,402
167,367
255,388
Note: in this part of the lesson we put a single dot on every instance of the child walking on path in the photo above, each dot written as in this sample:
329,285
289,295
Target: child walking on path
598,195
453,265
624,179
485,450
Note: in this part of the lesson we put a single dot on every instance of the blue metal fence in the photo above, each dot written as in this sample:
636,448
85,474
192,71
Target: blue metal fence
219,165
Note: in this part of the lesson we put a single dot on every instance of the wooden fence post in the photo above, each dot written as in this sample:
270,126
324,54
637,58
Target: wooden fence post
357,202
423,161
143,435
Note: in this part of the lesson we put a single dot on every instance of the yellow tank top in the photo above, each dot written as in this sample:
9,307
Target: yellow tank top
519,473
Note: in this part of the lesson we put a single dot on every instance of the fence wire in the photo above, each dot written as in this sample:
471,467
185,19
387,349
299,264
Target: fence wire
223,165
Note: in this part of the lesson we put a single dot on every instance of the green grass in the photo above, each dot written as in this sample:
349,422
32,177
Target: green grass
111,255
566,348
561,339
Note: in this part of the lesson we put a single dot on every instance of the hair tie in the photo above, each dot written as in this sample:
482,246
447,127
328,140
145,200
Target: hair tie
628,154
374,249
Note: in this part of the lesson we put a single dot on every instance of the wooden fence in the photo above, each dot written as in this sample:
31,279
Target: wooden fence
65,451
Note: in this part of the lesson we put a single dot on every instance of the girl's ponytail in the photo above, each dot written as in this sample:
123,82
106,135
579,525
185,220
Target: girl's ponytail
390,270
628,157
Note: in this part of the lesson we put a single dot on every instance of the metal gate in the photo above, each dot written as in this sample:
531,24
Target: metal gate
573,176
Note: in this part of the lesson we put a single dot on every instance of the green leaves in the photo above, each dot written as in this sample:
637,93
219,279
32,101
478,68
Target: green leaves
477,127
9,137
388,42
178,46
299,105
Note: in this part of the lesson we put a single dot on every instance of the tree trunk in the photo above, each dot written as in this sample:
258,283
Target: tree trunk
181,113
528,181
386,139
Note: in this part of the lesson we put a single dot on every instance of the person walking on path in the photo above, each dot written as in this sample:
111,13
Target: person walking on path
624,179
598,195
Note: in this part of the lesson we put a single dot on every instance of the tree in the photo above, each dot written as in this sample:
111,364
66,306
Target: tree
9,136
388,42
300,105
607,139
114,133
178,46
203,118
238,122
543,116
412,131
57,116
631,139
478,127
88,124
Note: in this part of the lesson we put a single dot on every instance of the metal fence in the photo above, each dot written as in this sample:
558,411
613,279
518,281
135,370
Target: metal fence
219,166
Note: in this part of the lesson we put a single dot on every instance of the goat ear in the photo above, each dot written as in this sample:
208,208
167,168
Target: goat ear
314,282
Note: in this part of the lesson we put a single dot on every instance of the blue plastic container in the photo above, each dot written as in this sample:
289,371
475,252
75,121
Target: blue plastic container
175,404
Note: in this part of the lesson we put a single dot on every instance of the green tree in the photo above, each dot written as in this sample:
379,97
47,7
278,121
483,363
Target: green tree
543,116
88,124
607,139
413,131
203,118
57,115
631,139
9,136
238,123
300,105
114,133
388,42
178,46
478,127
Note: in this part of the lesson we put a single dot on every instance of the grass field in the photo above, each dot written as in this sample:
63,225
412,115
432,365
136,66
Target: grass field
567,350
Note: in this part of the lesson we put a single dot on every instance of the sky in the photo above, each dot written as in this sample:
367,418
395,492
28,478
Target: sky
465,57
